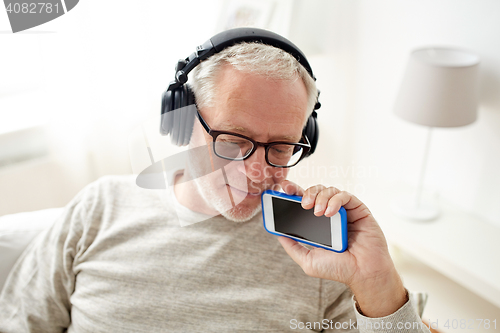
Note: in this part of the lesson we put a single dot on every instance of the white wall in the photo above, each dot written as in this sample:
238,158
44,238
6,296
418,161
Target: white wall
464,162
367,44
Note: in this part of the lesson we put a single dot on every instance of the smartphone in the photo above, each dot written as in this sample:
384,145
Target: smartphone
283,215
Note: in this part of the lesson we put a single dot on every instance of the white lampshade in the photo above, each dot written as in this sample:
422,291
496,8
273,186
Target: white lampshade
439,88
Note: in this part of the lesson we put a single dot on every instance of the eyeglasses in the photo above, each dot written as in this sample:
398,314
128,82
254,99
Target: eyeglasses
237,147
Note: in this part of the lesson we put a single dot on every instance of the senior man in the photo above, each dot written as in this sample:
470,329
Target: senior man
118,260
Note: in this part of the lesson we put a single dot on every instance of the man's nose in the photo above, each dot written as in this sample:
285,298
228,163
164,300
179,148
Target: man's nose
256,167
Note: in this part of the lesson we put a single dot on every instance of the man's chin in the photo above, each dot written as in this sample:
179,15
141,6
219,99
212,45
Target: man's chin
233,204
241,213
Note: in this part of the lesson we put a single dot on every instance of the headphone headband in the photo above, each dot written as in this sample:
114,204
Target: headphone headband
228,38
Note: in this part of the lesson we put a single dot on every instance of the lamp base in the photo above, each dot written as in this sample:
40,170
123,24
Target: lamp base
407,207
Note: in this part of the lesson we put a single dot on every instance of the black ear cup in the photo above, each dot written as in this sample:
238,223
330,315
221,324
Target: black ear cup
166,106
188,115
178,113
192,114
311,131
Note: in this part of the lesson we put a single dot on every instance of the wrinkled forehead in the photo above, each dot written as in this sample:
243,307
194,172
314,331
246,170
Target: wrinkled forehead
269,125
249,103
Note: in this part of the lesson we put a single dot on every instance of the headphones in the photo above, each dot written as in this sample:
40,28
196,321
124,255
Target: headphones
178,95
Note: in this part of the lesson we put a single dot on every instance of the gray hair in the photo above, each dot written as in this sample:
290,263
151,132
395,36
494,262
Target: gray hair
251,57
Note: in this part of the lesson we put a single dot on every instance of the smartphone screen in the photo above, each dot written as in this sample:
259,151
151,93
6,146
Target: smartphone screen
291,219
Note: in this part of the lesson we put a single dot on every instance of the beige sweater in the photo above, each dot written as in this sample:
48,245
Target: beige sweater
118,260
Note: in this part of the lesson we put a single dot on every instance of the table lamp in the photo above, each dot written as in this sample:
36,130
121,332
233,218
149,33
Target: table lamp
439,89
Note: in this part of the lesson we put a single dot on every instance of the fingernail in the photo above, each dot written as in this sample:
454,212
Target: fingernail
329,210
306,201
318,209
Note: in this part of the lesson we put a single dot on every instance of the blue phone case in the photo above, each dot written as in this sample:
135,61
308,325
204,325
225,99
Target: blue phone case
343,221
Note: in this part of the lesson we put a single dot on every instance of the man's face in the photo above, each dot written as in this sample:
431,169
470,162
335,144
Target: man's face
262,109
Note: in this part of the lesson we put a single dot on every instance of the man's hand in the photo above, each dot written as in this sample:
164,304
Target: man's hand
366,266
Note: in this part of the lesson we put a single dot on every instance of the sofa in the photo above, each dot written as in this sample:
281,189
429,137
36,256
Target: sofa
17,231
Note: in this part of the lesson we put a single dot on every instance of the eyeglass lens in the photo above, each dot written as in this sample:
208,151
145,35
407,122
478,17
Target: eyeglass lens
237,148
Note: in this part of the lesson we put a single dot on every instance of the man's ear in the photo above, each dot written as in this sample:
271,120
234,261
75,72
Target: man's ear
199,136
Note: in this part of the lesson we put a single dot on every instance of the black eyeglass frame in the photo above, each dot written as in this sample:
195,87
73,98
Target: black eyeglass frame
214,134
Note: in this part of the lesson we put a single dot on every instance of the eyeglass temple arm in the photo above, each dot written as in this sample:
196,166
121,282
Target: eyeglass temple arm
202,121
307,140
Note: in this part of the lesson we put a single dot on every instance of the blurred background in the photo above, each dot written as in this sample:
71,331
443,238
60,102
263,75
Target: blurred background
72,91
